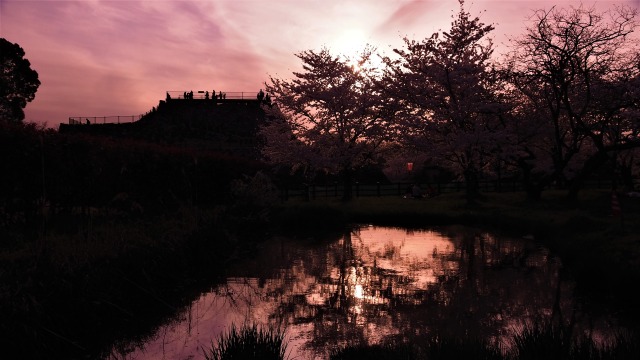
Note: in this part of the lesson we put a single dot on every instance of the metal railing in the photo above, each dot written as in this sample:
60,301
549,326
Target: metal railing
114,119
171,94
313,191
208,94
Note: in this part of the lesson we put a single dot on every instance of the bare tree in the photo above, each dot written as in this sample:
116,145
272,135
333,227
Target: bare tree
331,117
576,68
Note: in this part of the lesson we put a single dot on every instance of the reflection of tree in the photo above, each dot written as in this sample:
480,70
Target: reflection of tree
355,290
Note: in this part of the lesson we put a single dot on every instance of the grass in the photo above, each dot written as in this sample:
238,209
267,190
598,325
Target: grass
248,342
507,211
534,342
569,227
549,342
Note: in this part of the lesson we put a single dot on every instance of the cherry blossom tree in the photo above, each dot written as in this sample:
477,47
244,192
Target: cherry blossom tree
449,93
576,68
331,117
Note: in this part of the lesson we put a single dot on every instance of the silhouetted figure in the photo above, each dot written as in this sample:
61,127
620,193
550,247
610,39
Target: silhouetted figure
416,192
213,94
191,94
88,122
260,95
267,99
220,95
431,192
184,95
206,95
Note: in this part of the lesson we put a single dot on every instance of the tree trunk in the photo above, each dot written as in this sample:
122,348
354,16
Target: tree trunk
533,192
471,185
591,165
347,180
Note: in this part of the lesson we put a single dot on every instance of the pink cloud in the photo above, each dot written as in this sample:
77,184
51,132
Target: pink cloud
109,57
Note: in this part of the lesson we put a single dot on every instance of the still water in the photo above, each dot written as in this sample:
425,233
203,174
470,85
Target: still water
376,284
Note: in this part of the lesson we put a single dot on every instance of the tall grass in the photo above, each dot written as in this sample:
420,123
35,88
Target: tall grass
248,342
552,342
534,342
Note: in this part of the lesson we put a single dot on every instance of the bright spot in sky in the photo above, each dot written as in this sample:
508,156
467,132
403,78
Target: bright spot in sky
350,43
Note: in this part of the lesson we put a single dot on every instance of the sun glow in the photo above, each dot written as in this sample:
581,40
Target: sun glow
350,43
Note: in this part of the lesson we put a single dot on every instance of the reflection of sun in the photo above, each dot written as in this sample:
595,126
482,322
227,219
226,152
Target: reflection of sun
358,291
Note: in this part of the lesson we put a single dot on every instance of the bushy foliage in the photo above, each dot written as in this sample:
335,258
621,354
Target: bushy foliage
253,198
18,82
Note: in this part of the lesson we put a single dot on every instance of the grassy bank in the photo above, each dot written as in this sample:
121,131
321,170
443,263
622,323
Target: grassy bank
601,251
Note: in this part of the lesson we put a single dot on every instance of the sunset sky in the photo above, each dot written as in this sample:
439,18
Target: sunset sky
119,57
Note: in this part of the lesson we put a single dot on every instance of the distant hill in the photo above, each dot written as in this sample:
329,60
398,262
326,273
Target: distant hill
222,125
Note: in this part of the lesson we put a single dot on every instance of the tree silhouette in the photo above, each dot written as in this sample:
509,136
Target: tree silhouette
331,117
18,82
577,69
449,92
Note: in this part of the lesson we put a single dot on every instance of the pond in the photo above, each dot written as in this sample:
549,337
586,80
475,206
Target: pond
376,284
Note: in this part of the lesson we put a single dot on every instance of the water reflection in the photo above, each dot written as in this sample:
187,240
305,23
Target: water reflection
378,284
